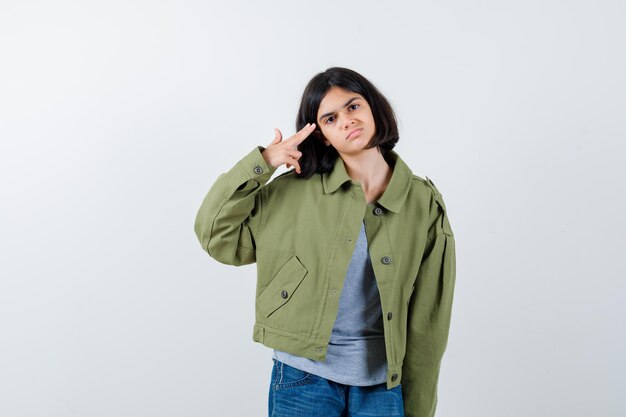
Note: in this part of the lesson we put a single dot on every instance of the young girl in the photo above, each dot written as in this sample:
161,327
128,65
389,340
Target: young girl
355,257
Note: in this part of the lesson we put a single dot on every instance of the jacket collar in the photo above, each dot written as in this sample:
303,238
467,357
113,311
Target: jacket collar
396,191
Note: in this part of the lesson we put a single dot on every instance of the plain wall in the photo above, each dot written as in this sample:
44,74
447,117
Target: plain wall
116,117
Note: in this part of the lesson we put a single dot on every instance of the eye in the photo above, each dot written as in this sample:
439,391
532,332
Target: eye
354,105
328,119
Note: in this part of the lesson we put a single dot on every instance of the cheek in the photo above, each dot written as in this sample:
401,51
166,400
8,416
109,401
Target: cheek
373,122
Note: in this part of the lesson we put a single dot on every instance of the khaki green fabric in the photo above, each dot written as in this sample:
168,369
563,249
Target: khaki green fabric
302,233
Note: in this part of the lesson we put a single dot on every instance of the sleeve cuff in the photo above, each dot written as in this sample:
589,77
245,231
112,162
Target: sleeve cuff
255,165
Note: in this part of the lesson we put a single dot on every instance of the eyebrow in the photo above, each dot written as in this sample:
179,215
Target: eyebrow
345,105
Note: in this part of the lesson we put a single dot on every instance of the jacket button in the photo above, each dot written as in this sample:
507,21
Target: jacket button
258,169
284,294
378,211
389,316
394,377
386,260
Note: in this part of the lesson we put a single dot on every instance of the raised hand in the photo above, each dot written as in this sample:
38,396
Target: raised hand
281,151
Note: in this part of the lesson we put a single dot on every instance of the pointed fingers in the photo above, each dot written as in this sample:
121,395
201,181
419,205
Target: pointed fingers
304,133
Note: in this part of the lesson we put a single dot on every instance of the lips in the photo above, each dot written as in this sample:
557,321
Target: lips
354,133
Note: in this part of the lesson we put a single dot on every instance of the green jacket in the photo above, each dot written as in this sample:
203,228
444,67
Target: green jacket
302,233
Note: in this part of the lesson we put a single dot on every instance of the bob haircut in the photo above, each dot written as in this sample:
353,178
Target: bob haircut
320,158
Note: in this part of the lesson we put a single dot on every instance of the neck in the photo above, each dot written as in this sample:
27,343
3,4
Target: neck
370,169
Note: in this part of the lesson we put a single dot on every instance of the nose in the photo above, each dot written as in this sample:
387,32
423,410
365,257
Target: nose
347,121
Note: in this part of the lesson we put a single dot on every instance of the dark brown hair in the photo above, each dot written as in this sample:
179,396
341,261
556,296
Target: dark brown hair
316,156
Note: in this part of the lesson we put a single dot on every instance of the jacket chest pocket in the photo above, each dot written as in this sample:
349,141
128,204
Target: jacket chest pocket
282,287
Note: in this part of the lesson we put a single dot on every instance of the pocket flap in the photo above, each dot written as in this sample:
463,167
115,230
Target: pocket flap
282,287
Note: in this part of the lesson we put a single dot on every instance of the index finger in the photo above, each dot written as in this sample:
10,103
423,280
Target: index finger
303,133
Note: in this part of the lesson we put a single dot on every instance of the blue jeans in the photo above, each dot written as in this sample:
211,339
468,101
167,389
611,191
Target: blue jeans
295,393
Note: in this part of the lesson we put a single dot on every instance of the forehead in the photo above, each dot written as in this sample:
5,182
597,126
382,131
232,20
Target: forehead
335,98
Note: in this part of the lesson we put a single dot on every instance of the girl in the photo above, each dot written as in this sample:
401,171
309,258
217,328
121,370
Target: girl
355,257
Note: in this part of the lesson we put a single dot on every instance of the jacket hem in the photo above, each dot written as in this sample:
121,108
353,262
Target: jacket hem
297,344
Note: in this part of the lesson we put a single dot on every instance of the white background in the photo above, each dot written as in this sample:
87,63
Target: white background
116,117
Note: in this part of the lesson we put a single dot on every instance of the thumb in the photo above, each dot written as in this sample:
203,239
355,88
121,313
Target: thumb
278,136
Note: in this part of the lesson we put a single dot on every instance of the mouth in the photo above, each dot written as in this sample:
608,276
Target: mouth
354,133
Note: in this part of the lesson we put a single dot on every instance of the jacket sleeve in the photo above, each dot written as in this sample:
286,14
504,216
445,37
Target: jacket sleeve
230,216
429,315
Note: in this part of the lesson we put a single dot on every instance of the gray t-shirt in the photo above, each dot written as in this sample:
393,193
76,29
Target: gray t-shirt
356,350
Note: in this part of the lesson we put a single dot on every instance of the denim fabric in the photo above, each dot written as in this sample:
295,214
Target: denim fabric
296,393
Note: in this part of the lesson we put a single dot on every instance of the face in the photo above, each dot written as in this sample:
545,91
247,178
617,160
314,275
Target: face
346,121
